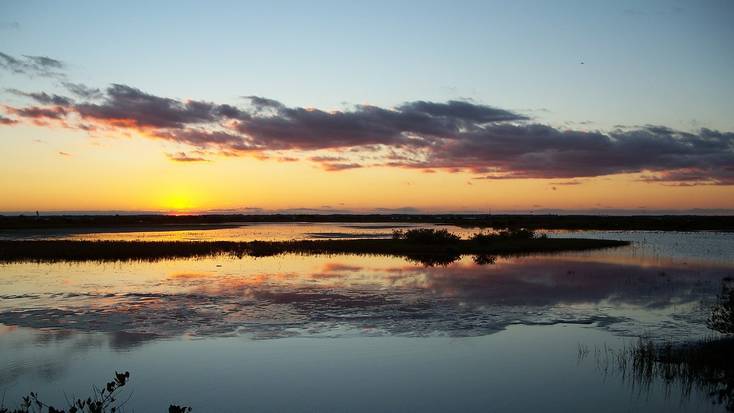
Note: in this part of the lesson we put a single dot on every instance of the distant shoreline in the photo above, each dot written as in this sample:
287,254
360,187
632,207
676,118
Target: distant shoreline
127,223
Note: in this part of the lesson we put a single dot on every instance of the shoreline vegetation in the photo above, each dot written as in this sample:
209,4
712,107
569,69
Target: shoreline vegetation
104,399
427,246
535,222
705,364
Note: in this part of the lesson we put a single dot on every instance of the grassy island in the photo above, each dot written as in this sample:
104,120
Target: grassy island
424,245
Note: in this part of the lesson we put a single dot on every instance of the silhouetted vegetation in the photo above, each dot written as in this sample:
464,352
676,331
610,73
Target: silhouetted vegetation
426,236
433,250
705,365
102,400
547,221
722,313
505,234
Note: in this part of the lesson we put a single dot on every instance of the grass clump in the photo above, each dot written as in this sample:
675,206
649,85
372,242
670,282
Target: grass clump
102,400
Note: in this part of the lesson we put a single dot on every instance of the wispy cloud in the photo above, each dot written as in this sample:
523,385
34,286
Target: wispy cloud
7,121
83,91
567,183
184,157
339,166
42,66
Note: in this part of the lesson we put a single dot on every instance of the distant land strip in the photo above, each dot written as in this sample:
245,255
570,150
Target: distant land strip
571,222
427,253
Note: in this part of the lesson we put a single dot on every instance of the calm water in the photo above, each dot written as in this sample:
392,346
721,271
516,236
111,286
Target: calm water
358,333
234,232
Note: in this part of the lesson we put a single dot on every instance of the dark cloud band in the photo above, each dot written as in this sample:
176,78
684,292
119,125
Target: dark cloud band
491,142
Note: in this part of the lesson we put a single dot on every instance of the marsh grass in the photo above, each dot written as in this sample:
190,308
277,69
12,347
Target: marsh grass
423,248
706,366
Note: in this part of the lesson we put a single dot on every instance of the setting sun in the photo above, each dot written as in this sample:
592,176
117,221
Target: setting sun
178,201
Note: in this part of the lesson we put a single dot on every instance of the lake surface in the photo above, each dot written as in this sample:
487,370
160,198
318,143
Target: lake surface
358,333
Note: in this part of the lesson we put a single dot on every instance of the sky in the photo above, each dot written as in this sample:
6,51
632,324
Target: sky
330,106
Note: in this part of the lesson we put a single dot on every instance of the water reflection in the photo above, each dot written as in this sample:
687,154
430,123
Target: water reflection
229,232
486,373
292,295
703,367
421,337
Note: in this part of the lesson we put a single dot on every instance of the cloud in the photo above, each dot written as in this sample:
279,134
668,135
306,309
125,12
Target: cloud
83,91
410,124
41,66
334,163
460,111
567,183
401,210
39,112
326,159
690,177
130,107
7,121
204,138
43,97
337,166
287,159
538,151
184,157
453,136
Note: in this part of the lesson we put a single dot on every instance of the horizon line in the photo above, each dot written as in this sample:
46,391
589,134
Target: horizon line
374,211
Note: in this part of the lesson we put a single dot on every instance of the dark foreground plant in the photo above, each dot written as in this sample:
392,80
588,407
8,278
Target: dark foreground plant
705,365
102,400
722,313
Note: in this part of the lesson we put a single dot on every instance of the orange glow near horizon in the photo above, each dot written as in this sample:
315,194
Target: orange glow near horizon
129,174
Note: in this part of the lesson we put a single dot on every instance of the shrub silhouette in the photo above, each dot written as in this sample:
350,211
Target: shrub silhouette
505,234
102,400
722,313
426,236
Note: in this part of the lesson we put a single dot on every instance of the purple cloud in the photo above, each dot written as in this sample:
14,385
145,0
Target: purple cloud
453,136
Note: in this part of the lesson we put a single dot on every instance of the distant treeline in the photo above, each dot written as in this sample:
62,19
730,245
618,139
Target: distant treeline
579,222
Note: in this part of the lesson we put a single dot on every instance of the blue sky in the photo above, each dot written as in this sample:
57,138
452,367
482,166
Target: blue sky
653,62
